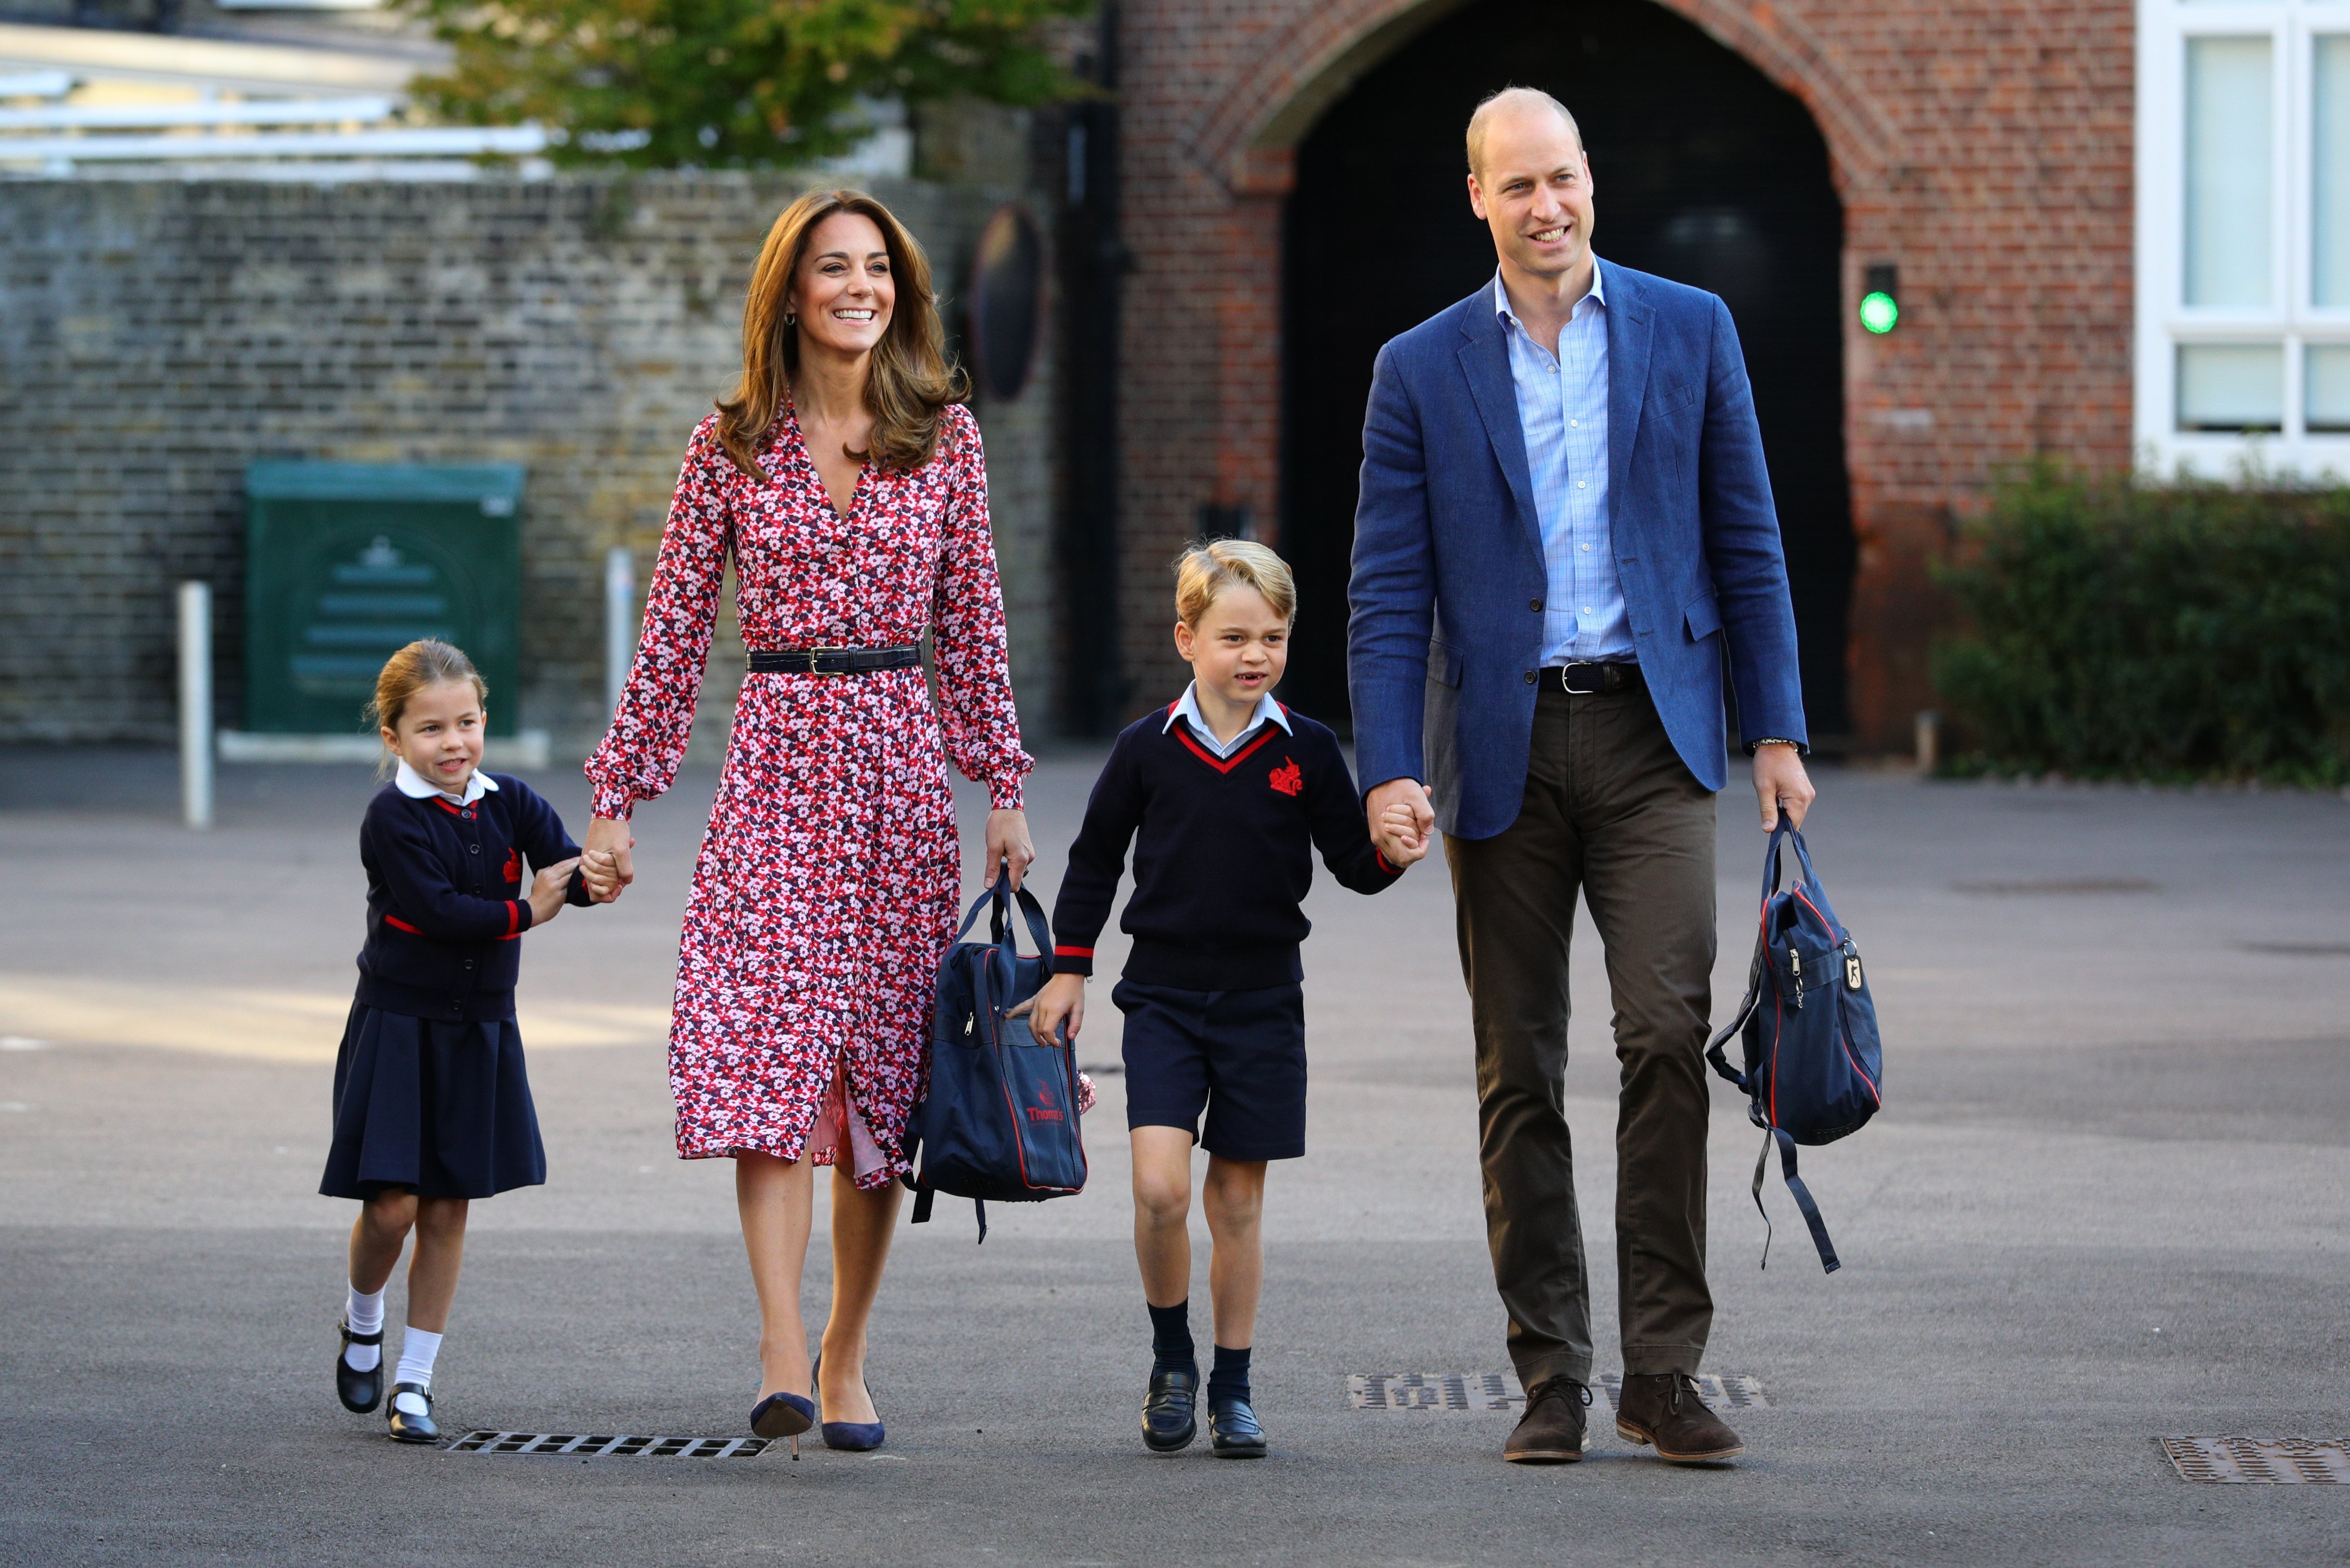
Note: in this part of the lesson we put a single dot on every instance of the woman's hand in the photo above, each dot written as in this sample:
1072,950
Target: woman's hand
597,869
549,889
606,853
1007,839
1061,1001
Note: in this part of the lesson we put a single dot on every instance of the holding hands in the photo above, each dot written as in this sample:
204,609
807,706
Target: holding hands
606,865
1400,819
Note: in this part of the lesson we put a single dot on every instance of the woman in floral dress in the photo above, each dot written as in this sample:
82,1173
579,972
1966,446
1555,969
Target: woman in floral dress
850,491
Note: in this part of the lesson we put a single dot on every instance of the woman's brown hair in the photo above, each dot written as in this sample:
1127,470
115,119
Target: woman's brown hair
909,381
411,670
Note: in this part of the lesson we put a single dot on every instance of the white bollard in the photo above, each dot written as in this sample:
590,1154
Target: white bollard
1929,742
620,623
196,704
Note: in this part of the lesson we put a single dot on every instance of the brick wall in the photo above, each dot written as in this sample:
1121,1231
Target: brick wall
156,336
1982,145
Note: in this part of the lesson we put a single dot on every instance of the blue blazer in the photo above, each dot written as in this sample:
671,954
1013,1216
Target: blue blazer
1446,628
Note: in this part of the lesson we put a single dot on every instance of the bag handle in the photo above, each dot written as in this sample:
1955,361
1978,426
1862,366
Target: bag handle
996,900
1785,832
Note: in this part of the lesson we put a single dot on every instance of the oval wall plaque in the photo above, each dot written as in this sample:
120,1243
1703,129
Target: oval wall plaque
1006,301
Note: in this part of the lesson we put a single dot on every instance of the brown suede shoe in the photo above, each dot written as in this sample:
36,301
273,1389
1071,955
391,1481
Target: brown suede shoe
1663,1408
1552,1431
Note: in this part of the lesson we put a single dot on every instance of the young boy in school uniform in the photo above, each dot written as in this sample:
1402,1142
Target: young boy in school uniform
1224,793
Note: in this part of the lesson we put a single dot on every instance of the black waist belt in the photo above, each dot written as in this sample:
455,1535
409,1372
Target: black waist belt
1590,680
834,661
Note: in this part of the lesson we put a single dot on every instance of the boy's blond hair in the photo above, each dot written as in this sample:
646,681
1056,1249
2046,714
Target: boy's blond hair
1204,571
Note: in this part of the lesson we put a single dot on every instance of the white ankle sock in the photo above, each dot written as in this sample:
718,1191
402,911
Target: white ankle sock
417,1351
365,1315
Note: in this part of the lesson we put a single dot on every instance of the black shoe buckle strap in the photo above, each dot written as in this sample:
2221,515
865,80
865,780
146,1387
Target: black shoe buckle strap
834,661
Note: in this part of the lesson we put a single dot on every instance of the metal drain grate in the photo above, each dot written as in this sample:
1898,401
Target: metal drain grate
616,1447
2272,1461
1436,1391
1472,1392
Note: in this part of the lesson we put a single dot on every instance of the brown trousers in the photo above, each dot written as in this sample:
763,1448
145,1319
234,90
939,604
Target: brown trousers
1610,808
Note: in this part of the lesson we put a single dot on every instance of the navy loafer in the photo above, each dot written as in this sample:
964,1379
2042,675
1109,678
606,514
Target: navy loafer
1169,1422
1232,1430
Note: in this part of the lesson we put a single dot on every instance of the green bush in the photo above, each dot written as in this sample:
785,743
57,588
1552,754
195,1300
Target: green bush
2124,628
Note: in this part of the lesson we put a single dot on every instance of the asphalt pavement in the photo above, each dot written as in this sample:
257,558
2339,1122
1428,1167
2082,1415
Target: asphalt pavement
2105,1203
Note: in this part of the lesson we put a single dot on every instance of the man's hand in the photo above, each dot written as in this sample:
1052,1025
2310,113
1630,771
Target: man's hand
1780,781
606,857
1399,849
1061,1001
1007,839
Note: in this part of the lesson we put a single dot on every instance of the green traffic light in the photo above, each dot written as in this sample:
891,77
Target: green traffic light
1879,312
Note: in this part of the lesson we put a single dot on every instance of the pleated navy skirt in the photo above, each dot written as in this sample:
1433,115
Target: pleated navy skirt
441,1107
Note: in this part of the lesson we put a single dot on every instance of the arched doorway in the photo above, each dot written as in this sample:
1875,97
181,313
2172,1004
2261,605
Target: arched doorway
1705,171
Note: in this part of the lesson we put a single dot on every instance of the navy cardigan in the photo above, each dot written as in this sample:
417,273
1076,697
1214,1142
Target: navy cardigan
1222,854
445,897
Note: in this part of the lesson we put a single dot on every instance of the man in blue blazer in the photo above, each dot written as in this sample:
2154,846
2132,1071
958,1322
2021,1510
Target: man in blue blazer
1565,524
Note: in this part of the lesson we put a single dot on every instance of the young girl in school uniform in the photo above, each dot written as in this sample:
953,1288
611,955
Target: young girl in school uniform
432,1105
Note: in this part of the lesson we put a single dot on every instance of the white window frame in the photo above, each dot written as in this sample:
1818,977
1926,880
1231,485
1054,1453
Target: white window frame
2164,322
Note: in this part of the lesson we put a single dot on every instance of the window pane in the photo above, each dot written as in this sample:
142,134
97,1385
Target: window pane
2227,182
2329,280
2329,391
2231,386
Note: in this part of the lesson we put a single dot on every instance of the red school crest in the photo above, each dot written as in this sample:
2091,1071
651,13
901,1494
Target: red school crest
1288,778
1045,1110
513,869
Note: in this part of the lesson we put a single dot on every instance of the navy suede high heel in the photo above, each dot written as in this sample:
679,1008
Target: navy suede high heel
852,1437
783,1415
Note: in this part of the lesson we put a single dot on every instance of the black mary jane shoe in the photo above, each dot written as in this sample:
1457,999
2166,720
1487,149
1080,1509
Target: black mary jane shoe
1168,1419
360,1392
408,1429
1232,1430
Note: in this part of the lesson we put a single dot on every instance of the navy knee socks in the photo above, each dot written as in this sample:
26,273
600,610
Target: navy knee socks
1171,1350
1230,1379
1171,1339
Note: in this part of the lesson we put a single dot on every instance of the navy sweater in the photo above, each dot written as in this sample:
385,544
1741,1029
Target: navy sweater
1222,854
445,897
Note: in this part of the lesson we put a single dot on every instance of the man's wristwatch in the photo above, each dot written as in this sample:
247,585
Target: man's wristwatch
1774,741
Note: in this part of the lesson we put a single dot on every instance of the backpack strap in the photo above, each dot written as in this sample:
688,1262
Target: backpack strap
978,1208
1829,1262
1713,1051
923,1197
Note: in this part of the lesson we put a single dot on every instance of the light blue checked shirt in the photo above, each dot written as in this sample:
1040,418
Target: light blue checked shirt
1563,415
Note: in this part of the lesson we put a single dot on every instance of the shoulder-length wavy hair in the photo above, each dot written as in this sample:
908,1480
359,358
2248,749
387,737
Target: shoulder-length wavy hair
909,383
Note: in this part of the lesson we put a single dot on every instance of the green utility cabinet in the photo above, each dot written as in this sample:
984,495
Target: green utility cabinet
347,562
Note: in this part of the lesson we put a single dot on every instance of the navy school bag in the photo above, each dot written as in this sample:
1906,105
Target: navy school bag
999,1121
1814,1071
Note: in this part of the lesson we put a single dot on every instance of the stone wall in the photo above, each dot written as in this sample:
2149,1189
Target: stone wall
156,336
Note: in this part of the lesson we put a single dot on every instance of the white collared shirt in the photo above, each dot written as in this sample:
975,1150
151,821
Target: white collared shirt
1563,416
416,786
1268,711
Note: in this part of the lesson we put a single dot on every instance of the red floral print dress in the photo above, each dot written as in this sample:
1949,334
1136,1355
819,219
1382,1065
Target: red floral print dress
826,889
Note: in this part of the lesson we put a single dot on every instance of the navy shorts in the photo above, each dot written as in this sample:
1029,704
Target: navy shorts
1239,1055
